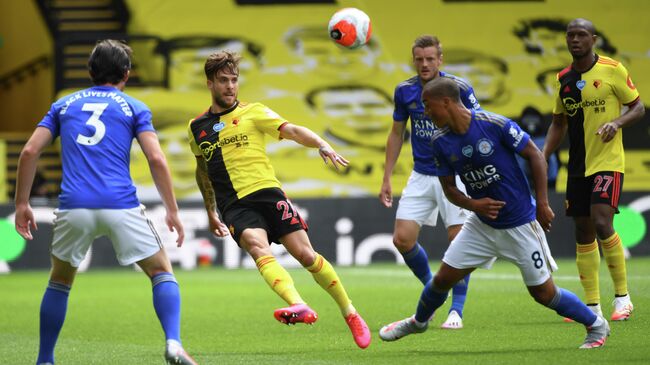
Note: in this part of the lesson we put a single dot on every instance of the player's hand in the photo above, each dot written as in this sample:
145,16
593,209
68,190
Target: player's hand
25,221
488,207
545,216
607,131
326,152
386,194
217,227
174,224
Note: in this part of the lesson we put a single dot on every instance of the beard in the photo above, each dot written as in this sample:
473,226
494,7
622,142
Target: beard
222,103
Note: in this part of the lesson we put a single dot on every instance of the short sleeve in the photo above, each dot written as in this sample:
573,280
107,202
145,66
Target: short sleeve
142,118
400,113
193,146
624,88
514,137
558,108
268,121
51,121
442,165
469,99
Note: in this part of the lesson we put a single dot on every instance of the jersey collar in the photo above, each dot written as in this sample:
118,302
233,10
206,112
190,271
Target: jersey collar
223,112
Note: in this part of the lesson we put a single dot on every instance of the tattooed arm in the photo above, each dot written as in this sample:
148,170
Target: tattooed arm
205,186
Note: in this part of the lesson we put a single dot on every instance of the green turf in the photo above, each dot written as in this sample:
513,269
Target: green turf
227,319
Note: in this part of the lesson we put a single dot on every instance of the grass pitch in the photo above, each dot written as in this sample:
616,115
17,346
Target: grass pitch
227,319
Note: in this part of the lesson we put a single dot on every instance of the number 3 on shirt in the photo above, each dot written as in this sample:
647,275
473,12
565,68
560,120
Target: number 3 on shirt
100,128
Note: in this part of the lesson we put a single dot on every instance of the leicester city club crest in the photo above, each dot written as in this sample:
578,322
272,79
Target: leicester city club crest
485,147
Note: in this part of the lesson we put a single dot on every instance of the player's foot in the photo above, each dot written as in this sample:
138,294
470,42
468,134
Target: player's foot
399,329
297,313
175,354
594,308
622,308
359,330
454,321
596,335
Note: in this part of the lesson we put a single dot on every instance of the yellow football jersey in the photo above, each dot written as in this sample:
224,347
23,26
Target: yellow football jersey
589,100
232,143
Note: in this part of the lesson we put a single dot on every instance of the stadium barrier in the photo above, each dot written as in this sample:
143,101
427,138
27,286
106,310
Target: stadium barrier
348,231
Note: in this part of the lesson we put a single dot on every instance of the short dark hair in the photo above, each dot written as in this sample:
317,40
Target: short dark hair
582,23
425,41
219,61
442,87
109,61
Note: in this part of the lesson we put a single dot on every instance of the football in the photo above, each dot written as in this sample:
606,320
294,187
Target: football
350,27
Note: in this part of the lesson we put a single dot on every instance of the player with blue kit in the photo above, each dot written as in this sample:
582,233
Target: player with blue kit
423,198
96,127
506,221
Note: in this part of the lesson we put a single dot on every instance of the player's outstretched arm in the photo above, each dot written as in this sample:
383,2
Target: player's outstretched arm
555,135
634,113
25,178
209,198
486,207
538,169
307,138
393,148
162,178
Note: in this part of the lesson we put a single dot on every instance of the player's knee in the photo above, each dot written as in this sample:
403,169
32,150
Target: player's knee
403,243
604,226
542,295
254,246
306,257
442,283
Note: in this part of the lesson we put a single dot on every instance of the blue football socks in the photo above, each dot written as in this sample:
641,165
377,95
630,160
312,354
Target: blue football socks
430,300
567,304
167,302
418,261
53,310
458,296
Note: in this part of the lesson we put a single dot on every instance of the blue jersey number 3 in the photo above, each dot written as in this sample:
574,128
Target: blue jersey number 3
100,128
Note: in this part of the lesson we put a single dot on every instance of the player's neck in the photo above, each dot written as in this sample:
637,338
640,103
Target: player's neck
218,109
119,86
584,63
460,120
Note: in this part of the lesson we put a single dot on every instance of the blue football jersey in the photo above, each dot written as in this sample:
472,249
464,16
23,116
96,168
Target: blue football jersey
96,127
408,105
485,159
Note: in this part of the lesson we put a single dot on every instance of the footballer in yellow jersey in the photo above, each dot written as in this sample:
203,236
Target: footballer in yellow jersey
234,174
232,143
589,99
589,104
